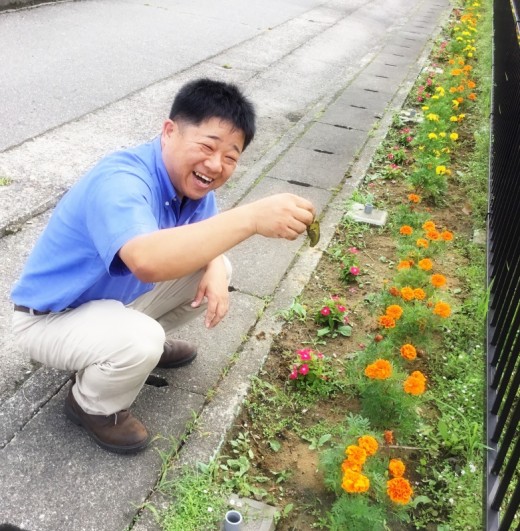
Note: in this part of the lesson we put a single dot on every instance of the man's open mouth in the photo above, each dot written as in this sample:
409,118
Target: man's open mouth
202,178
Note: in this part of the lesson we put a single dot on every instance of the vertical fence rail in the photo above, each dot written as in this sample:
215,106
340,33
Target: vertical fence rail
503,267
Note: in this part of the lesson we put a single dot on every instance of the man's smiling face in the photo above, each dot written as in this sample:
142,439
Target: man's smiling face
200,158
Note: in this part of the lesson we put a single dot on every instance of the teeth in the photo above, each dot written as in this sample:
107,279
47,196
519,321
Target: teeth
203,177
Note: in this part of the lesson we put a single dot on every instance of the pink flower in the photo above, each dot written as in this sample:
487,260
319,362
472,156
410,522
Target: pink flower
341,308
319,355
353,250
420,98
429,81
390,156
305,355
325,311
304,369
352,289
293,375
335,297
409,138
346,320
354,271
394,166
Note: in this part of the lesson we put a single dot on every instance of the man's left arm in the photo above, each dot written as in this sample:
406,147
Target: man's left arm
214,287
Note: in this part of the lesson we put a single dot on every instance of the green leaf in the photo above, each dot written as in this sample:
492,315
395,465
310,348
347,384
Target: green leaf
274,445
323,332
345,330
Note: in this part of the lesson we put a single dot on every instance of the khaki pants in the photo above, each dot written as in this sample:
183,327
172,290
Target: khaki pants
112,347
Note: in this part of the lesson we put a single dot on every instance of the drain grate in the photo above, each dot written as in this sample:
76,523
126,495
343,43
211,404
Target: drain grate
156,381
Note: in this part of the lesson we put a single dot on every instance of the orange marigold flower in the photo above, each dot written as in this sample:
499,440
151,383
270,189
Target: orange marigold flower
406,230
404,264
433,235
414,198
379,370
421,242
407,293
347,464
471,84
389,436
396,468
415,384
394,290
399,490
408,352
354,482
456,72
419,294
442,309
395,311
428,225
447,236
386,321
356,454
472,96
369,444
438,280
425,264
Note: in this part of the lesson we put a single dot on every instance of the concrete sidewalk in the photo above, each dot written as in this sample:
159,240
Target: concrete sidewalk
53,477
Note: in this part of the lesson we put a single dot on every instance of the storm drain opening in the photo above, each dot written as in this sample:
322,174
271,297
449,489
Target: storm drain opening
398,55
298,183
389,64
156,381
371,90
382,77
324,151
343,126
357,106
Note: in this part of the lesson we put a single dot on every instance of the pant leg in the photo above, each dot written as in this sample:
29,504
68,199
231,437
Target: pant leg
112,347
170,302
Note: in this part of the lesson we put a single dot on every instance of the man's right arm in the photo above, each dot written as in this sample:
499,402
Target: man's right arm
173,253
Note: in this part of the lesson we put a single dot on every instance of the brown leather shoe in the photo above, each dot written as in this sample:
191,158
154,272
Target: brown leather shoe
176,354
121,432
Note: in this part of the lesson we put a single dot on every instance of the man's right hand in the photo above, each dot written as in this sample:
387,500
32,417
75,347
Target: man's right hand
282,216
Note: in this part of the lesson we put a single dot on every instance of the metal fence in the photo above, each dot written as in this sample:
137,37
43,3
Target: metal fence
503,337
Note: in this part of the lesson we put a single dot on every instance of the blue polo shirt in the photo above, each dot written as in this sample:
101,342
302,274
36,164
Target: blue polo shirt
76,259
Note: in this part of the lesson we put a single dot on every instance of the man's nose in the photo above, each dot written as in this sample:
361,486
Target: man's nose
214,162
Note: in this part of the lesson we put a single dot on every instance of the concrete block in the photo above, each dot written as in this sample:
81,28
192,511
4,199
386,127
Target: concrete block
376,217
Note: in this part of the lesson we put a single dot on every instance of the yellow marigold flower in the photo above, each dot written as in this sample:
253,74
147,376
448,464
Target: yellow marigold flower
369,444
447,236
355,482
408,352
356,454
386,321
461,117
425,107
395,311
407,293
428,225
455,103
425,264
399,490
438,280
440,170
440,90
419,294
433,235
396,468
421,242
454,136
442,135
432,136
432,117
379,370
406,230
414,198
453,119
442,309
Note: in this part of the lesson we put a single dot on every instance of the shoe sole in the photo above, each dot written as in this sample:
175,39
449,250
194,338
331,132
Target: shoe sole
176,364
71,415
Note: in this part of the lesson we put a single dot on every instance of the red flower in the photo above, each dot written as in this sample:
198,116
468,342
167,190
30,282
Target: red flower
325,311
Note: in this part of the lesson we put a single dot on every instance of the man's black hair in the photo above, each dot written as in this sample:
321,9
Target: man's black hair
204,99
